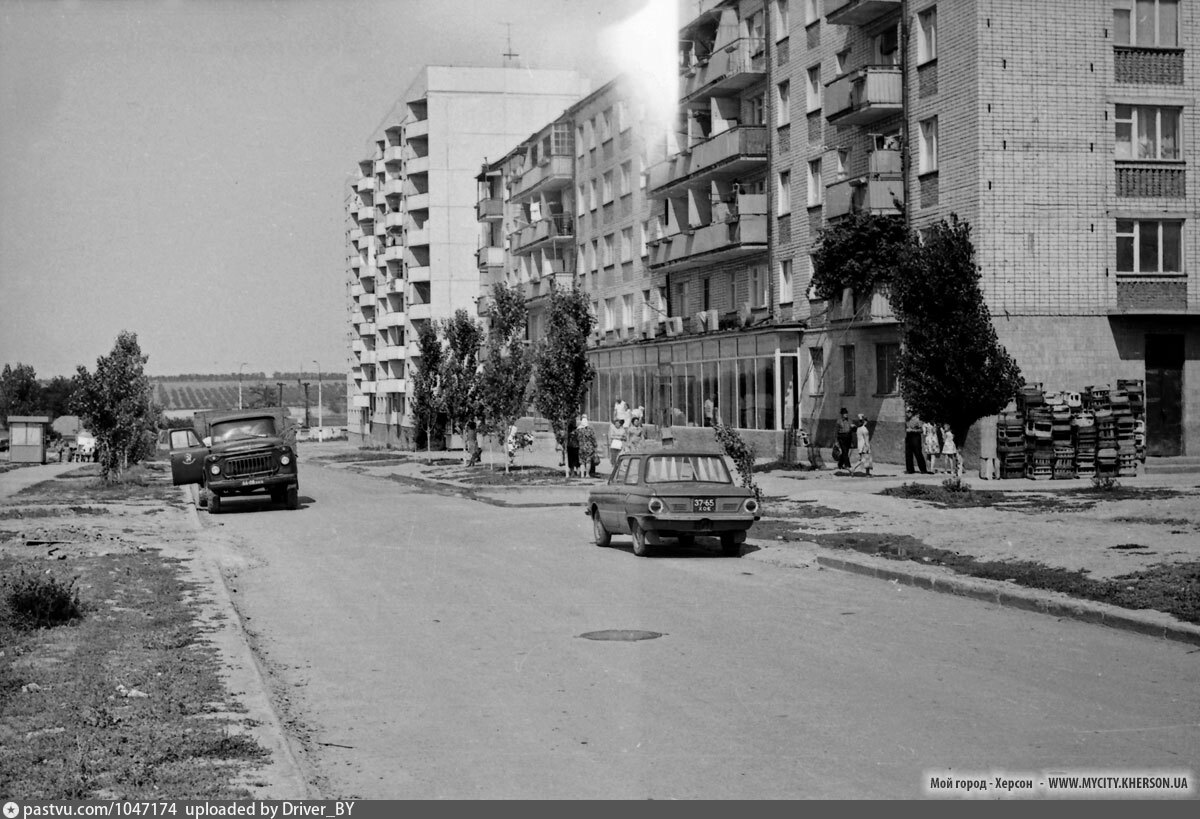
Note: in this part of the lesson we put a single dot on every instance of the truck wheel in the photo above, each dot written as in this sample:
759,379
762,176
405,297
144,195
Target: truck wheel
293,498
202,495
278,496
601,535
687,541
729,544
640,547
214,504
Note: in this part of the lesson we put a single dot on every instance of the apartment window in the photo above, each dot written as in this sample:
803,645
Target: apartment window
608,187
814,88
705,293
785,281
627,244
1147,132
591,135
581,201
780,19
812,11
887,46
816,371
661,301
626,183
1146,23
610,314
595,254
785,192
560,139
606,125
593,198
622,114
783,111
927,35
816,190
760,287
579,139
928,160
843,164
1149,247
609,241
755,31
754,111
849,376
842,61
643,236
627,309
887,362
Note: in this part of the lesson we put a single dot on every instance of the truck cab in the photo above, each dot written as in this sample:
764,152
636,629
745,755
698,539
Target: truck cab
238,452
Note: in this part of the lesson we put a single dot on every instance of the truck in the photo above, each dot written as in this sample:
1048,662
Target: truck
237,452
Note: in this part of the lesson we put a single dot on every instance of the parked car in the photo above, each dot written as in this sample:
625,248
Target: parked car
243,452
679,494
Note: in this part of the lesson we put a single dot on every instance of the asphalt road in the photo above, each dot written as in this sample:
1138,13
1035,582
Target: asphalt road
426,646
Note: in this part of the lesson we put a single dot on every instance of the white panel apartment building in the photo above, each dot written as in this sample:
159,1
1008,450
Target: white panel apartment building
412,223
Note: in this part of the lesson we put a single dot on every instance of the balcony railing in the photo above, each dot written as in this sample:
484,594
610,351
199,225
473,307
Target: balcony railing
393,154
366,214
489,209
417,312
416,201
417,273
712,243
729,153
416,236
558,228
874,307
391,385
416,129
393,187
857,12
551,175
489,257
862,193
728,69
864,96
365,185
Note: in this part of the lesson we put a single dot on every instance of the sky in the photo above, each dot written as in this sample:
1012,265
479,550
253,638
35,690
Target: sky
177,168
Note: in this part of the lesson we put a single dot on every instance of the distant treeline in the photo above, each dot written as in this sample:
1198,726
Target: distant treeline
249,376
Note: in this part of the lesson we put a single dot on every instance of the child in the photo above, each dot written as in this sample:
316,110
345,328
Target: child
953,459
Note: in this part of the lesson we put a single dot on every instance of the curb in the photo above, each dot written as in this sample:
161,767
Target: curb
1028,599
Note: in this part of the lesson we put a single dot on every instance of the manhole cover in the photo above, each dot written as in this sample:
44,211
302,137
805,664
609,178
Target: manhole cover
626,635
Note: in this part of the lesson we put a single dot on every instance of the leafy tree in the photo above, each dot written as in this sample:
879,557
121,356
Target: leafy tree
56,396
507,364
261,395
426,401
460,368
862,251
20,392
115,403
952,367
562,372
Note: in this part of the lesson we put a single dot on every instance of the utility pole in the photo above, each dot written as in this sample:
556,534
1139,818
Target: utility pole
320,406
240,384
305,385
279,397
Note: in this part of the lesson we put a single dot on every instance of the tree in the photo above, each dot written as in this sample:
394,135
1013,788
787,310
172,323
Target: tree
261,395
562,373
426,402
56,396
460,369
20,392
862,251
952,367
507,364
115,403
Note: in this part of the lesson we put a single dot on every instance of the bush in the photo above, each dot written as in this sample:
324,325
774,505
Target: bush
956,484
42,601
1105,483
740,453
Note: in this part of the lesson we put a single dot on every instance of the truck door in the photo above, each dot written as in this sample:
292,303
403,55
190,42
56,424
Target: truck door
187,457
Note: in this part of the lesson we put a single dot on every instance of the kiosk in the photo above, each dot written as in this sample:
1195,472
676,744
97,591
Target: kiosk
27,435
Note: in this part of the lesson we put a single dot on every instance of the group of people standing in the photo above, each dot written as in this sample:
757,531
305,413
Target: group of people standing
924,444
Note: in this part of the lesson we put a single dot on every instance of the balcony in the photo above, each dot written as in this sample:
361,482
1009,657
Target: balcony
367,387
417,273
394,220
367,328
1151,296
365,185
390,385
416,129
864,96
419,312
367,357
412,350
416,201
863,194
416,165
396,318
731,153
357,345
551,174
356,262
360,401
559,229
717,242
875,307
858,12
726,71
490,210
367,300
489,257
365,215
391,352
393,187
393,154
414,236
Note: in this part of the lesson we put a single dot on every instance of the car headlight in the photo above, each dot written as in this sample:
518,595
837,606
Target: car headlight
656,506
215,469
285,460
751,505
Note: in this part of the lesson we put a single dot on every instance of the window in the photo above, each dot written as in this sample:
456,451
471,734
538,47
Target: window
780,19
816,372
785,192
608,187
581,201
610,314
643,235
590,125
627,244
754,111
848,374
887,359
1148,247
887,46
815,188
755,25
627,310
843,164
1147,132
842,61
647,308
560,139
783,112
609,242
579,140
1146,22
606,125
927,35
632,470
622,116
595,254
786,295
760,288
928,137
812,11
626,181
592,195
814,88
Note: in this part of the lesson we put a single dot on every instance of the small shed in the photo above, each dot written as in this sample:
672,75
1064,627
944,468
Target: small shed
27,438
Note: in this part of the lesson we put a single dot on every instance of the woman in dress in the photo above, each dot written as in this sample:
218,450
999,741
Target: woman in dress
864,447
953,459
929,443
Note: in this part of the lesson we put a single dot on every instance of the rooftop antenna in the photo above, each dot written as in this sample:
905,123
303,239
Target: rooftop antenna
509,54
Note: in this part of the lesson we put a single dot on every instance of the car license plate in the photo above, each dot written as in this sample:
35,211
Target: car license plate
253,482
704,504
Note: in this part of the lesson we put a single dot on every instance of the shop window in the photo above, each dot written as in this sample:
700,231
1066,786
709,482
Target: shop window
887,363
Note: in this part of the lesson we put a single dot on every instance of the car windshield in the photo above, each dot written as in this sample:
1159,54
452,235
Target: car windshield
707,468
243,428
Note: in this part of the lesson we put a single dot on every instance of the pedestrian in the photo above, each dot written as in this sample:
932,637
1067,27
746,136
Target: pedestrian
912,443
845,439
572,447
929,443
471,443
710,411
864,447
953,458
636,434
619,410
589,458
616,439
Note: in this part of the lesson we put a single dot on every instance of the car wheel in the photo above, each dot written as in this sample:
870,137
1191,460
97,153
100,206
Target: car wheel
214,504
640,547
729,544
602,536
278,496
293,498
687,541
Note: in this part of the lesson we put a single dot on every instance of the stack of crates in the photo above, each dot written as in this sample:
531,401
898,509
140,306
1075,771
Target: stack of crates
1010,444
1083,429
1060,438
1039,444
1124,424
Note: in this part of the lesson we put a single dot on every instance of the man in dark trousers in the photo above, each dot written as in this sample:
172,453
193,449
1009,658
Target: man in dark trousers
845,438
912,443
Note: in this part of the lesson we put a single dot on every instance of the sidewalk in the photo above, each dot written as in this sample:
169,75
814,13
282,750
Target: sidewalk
1097,540
13,481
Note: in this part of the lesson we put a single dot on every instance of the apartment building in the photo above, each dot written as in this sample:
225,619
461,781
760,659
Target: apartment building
414,221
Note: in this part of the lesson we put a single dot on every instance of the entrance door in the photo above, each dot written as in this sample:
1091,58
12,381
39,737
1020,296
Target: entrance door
1164,395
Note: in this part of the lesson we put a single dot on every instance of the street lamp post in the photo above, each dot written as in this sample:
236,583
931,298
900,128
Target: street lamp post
240,384
320,409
